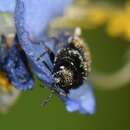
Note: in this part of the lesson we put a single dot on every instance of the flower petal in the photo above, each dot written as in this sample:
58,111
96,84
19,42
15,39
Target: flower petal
72,106
7,5
81,99
38,15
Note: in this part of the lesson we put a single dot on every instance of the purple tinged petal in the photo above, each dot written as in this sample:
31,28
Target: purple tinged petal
18,73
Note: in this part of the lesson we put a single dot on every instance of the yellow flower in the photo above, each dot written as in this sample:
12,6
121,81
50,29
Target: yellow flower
85,17
128,21
119,24
4,83
127,28
127,7
117,20
116,25
97,16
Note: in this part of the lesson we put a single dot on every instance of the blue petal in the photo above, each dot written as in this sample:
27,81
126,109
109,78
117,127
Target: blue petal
17,71
72,106
36,52
38,15
81,99
7,5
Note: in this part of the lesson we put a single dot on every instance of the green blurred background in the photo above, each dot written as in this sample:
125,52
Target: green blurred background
113,107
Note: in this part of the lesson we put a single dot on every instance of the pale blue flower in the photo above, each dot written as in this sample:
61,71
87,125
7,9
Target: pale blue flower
32,19
81,99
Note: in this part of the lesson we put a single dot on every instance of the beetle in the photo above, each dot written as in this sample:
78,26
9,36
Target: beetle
62,64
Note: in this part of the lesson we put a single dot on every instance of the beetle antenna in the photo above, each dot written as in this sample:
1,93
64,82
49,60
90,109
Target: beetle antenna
48,99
